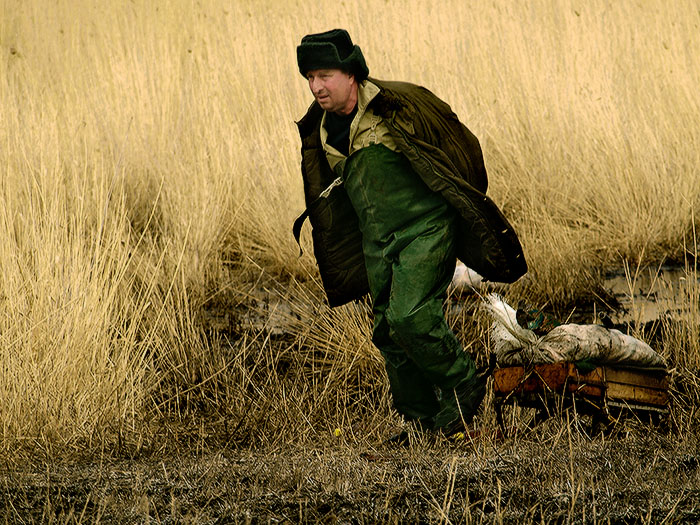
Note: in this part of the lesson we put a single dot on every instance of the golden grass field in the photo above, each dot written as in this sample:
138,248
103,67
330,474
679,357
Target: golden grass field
149,172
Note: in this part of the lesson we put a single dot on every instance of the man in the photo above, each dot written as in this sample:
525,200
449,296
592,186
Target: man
395,191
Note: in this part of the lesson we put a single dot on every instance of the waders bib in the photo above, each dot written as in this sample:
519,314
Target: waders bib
408,243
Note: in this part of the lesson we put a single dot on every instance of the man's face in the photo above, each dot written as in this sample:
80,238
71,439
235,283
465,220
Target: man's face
335,90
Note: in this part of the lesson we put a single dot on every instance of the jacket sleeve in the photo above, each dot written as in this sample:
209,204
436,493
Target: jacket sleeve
448,158
437,124
336,234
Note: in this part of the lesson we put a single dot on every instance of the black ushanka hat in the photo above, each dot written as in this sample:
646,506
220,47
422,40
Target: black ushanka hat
331,50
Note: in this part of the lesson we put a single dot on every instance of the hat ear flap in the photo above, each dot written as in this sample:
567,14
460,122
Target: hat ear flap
357,65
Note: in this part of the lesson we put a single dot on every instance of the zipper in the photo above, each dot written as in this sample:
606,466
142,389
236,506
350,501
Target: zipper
325,193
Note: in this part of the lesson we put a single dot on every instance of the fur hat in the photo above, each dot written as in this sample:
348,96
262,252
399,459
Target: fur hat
331,50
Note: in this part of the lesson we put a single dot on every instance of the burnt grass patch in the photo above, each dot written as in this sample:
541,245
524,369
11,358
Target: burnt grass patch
552,473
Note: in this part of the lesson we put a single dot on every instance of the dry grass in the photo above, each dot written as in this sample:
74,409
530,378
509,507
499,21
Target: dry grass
149,177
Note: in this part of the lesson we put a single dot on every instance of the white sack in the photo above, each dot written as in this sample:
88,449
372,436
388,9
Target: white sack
514,345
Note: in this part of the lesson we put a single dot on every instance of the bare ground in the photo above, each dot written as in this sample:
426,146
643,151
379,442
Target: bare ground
554,473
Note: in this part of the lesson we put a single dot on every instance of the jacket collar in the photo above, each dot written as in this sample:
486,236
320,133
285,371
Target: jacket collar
366,91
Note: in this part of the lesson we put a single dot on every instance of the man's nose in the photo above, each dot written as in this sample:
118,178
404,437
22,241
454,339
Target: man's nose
315,85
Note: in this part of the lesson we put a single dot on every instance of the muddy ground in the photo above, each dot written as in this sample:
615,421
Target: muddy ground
554,473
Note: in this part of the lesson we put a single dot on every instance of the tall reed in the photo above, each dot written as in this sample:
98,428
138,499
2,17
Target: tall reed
146,147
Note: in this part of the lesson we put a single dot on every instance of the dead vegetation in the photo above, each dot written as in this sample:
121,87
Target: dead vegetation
550,474
167,357
290,432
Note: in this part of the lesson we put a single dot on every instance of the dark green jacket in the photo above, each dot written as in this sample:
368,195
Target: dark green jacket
448,158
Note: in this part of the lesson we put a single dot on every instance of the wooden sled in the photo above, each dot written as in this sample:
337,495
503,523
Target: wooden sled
605,393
